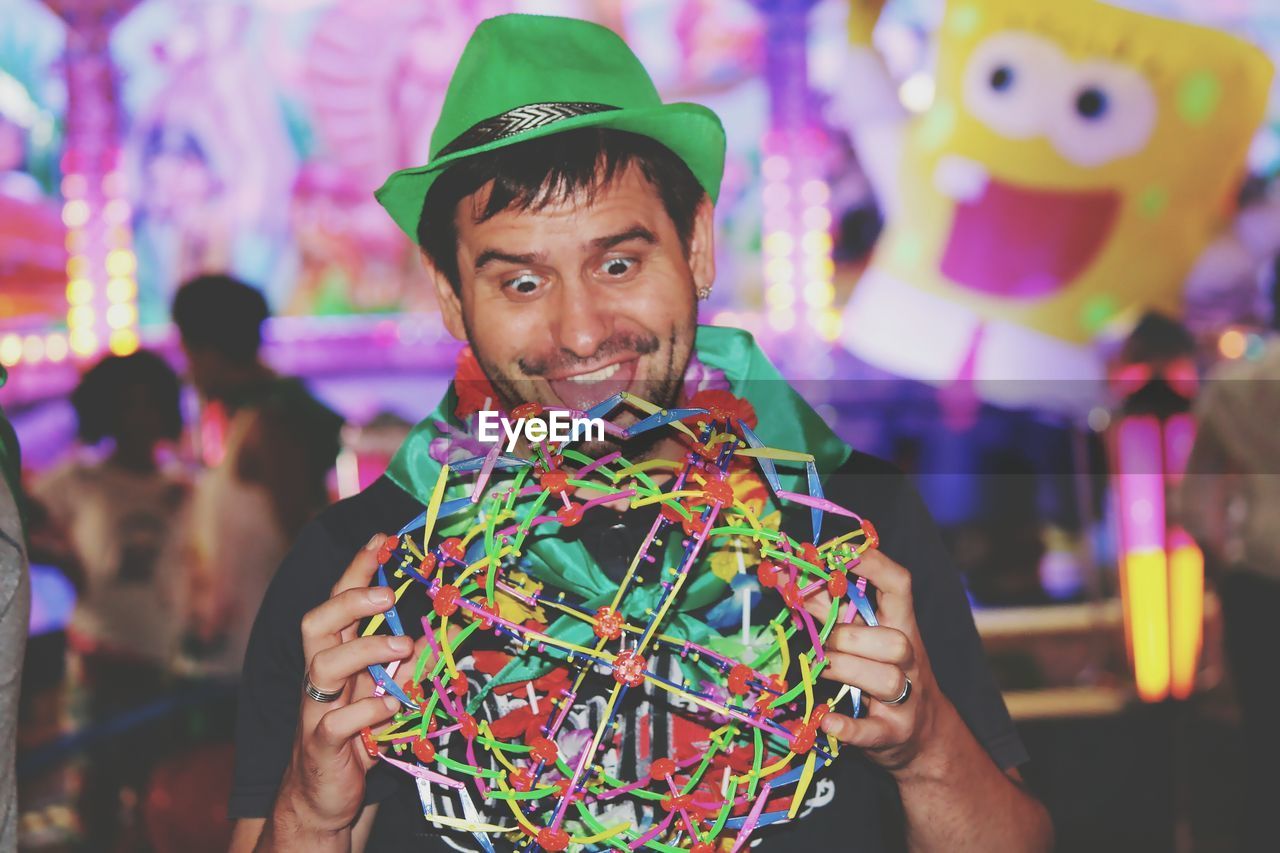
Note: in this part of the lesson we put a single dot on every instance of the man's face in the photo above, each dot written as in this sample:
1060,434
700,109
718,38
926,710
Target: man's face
572,303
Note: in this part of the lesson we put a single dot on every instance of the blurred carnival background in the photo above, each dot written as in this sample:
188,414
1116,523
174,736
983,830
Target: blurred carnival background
1025,249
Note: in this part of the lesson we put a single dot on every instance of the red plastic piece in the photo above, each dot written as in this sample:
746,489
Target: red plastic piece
370,745
544,750
629,669
767,573
388,548
521,780
809,553
553,840
723,405
527,410
837,585
452,548
804,740
718,491
446,600
670,803
608,623
791,595
562,785
468,726
873,538
661,768
492,610
738,677
692,525
671,514
555,481
569,515
427,566
460,685
425,750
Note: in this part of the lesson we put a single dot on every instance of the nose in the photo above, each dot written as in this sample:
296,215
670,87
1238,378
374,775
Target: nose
584,319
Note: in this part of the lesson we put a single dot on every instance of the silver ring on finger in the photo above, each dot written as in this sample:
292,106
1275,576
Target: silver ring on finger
322,696
906,692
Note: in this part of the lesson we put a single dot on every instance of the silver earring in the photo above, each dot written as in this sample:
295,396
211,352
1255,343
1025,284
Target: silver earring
704,293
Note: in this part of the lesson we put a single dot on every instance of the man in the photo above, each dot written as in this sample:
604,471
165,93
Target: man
15,604
277,446
566,221
1228,502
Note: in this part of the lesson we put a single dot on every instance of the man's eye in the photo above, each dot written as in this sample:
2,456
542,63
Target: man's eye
618,266
523,284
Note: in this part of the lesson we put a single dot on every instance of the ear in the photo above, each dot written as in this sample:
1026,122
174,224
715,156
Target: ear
702,248
449,301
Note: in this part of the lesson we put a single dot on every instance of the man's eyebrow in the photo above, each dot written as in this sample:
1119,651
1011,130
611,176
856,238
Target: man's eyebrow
490,255
635,232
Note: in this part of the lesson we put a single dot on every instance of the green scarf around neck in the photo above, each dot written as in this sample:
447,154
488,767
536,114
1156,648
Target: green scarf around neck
786,420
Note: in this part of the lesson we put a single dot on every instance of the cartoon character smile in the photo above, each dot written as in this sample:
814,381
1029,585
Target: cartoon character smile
1019,241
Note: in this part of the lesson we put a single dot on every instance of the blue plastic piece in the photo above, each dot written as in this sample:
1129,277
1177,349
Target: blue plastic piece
604,407
766,465
815,491
383,679
390,614
660,418
765,819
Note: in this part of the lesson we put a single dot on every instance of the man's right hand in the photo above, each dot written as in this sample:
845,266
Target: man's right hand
322,792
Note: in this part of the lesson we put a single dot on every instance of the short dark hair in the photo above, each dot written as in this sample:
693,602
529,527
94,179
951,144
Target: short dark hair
223,314
97,398
534,174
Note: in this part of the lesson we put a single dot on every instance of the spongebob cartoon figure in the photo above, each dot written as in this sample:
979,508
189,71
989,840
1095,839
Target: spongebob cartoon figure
1075,161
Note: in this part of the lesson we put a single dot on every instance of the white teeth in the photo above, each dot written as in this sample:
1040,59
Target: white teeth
596,375
960,178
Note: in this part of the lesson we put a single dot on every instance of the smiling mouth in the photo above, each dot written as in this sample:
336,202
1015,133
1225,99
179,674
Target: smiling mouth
1017,241
581,391
596,375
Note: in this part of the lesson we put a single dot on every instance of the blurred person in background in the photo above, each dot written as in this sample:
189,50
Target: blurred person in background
267,477
15,602
107,520
1229,502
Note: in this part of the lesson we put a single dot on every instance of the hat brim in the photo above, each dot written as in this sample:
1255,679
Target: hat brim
691,131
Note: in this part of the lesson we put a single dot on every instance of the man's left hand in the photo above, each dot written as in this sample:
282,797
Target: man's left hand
879,660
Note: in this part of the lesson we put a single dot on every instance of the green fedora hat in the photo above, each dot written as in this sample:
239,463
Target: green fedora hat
523,77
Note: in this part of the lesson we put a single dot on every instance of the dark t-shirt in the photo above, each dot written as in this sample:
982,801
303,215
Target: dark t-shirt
853,801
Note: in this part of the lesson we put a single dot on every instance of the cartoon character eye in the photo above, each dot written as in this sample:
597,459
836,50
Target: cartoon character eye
1002,78
1106,111
1005,82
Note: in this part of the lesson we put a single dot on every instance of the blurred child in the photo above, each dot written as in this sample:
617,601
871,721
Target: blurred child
266,479
112,515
